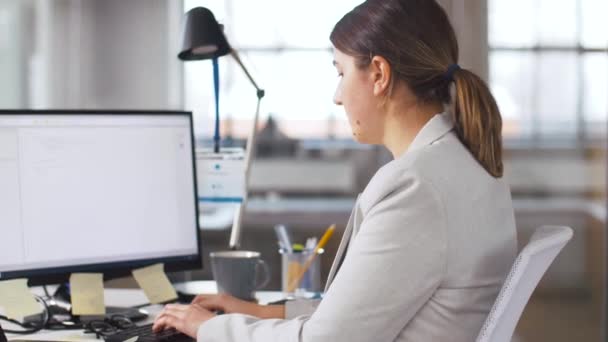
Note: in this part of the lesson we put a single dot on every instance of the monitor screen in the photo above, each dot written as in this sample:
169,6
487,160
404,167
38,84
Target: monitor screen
96,191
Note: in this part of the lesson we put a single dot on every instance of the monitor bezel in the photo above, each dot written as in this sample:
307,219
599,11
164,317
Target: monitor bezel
111,270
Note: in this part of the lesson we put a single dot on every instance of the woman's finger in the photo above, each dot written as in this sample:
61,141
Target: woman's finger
168,314
186,321
165,322
174,312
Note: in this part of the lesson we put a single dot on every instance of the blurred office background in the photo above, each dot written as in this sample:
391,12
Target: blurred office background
546,62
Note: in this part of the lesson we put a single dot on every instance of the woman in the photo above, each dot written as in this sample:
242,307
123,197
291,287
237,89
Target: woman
433,233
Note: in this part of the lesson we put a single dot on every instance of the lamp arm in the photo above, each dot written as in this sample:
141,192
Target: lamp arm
235,233
235,55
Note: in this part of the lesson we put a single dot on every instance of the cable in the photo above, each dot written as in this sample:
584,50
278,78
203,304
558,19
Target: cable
48,322
51,323
29,327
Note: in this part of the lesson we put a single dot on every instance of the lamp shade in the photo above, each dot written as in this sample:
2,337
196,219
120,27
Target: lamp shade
203,37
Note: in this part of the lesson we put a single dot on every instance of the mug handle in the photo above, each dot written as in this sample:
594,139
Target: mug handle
261,263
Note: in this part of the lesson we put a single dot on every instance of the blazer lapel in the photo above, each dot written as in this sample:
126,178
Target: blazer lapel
347,237
437,127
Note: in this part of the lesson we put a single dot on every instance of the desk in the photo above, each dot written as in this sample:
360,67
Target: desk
126,298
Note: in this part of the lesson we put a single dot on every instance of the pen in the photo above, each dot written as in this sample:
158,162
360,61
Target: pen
283,238
311,242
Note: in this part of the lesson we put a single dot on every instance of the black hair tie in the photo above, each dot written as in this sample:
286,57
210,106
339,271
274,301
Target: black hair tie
449,74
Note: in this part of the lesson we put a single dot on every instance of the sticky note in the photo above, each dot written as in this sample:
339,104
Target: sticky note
154,282
17,300
87,294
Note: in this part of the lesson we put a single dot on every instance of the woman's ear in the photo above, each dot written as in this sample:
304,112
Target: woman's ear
381,75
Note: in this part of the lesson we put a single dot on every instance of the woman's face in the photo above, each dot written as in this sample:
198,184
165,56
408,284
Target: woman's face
355,92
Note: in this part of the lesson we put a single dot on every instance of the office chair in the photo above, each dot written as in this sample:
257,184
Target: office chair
527,270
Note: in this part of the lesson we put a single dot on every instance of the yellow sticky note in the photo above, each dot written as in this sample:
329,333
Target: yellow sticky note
17,300
154,282
87,294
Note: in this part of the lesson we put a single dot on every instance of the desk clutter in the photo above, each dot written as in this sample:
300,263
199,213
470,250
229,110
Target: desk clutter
83,307
301,269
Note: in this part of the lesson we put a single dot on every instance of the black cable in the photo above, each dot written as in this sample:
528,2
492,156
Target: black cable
28,329
50,323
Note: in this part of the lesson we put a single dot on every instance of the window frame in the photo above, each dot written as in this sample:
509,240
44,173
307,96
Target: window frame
582,137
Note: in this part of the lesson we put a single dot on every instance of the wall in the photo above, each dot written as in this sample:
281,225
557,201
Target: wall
12,27
469,18
102,54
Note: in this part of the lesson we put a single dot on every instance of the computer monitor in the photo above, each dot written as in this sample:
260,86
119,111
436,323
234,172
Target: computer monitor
96,191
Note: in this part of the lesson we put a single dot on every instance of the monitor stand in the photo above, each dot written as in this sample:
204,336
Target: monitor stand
61,299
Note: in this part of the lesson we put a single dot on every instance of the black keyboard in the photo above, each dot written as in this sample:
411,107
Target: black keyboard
144,333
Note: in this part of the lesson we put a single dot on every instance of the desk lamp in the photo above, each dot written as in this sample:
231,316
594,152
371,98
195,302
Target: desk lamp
203,38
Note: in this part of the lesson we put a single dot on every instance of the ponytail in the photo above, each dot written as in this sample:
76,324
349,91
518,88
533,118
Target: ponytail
417,39
477,121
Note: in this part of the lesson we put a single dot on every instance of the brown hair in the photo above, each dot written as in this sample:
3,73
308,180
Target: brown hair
418,41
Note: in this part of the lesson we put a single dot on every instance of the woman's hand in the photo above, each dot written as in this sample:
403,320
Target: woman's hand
230,304
185,318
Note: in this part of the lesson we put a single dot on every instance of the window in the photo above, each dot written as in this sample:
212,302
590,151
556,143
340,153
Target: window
286,47
549,68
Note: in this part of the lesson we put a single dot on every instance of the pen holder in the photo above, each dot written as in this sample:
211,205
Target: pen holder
292,264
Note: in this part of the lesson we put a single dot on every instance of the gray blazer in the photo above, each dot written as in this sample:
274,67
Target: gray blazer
434,238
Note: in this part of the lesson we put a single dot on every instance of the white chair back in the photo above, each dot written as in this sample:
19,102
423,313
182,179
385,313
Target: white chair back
526,272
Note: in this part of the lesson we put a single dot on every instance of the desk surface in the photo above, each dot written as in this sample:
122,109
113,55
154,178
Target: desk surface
126,298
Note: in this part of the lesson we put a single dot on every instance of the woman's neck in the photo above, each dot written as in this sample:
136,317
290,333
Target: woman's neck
404,122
